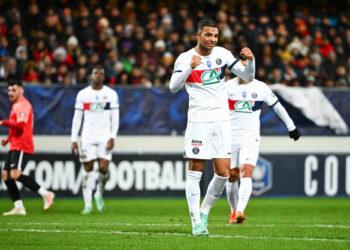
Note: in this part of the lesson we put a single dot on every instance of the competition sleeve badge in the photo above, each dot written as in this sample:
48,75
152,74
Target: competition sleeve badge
209,64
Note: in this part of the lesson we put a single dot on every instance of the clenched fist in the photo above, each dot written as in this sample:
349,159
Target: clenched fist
247,53
196,60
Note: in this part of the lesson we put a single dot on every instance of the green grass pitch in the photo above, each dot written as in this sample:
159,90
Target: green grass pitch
163,223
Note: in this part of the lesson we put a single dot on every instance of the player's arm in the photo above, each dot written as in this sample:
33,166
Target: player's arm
19,126
76,124
247,73
22,118
114,124
182,70
5,141
282,113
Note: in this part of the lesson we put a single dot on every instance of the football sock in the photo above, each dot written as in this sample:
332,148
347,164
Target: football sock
232,194
215,188
42,191
18,204
244,192
101,182
12,190
28,182
87,188
193,195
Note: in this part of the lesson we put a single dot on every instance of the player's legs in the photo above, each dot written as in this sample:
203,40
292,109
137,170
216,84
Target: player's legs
221,154
87,186
232,192
197,150
103,177
19,161
232,183
216,185
193,192
245,188
87,155
13,192
248,158
104,158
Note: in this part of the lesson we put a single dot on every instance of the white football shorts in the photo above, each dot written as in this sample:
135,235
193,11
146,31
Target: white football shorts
92,150
208,140
245,151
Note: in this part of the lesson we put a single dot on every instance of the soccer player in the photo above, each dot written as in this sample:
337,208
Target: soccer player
201,70
245,102
100,107
20,137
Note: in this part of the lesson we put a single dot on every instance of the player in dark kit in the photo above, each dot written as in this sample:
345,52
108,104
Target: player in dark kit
20,137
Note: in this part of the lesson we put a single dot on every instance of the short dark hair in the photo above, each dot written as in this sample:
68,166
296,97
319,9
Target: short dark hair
15,82
206,22
99,67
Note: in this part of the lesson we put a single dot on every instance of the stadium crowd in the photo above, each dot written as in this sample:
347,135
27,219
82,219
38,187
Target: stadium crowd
58,42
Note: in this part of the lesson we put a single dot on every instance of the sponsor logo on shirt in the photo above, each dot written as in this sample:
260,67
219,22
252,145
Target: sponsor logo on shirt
97,106
206,77
211,76
197,143
244,106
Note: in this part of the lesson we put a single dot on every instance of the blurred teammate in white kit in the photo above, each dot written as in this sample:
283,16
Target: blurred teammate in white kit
97,107
245,102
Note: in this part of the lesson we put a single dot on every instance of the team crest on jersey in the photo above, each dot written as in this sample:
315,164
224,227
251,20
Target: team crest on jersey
195,150
254,95
209,64
244,106
218,61
262,177
211,76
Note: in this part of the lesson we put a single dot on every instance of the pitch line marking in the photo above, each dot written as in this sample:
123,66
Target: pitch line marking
181,224
173,234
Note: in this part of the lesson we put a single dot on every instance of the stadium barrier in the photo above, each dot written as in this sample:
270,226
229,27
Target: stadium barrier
156,111
135,175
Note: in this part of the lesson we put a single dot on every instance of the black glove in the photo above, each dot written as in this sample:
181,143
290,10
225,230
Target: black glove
294,134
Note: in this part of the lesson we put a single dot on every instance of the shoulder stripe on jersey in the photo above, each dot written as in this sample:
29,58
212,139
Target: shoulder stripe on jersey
177,71
107,105
274,104
231,104
233,64
196,75
257,105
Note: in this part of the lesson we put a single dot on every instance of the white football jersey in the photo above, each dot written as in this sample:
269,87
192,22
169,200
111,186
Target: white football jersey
206,84
97,106
245,102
